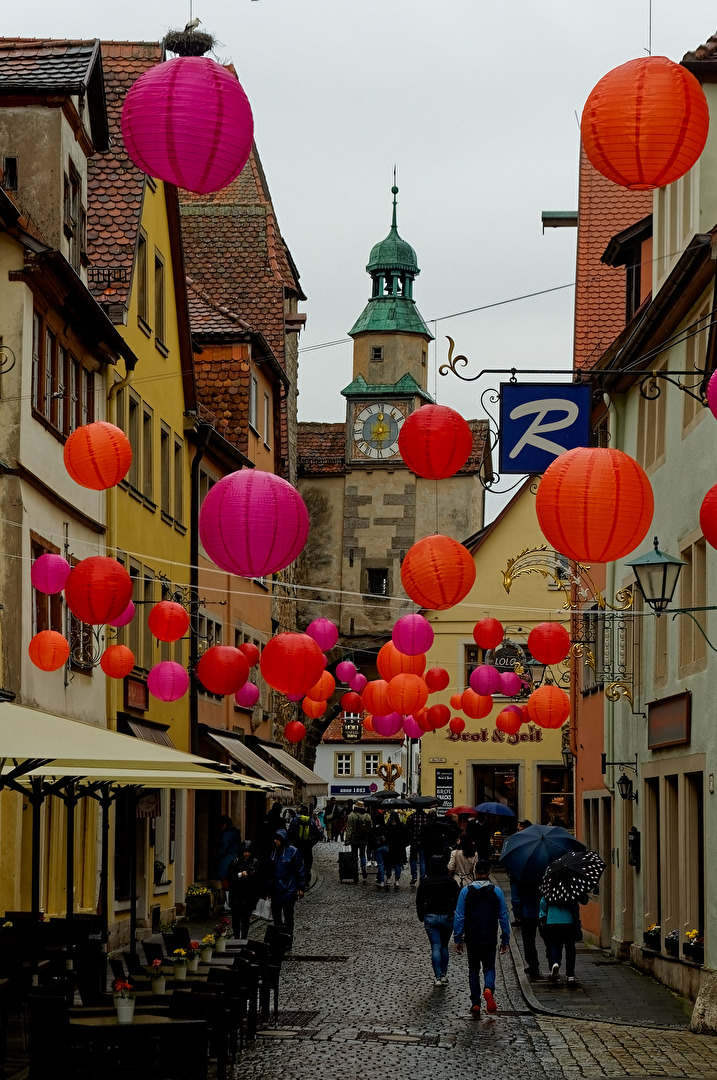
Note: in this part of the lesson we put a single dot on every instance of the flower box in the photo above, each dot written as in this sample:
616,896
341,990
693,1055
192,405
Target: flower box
693,952
672,946
652,940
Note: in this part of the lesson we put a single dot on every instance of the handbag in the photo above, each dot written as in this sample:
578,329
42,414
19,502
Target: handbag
263,909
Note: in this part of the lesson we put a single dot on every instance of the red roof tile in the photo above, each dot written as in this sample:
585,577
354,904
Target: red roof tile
333,734
209,317
708,51
33,63
321,449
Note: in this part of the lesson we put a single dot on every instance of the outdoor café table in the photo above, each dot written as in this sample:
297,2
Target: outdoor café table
186,1040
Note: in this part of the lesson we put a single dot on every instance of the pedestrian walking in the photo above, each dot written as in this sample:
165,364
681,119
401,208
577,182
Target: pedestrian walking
244,889
379,840
397,837
462,863
529,907
480,910
436,899
304,833
286,882
330,811
561,929
417,858
228,847
359,829
480,833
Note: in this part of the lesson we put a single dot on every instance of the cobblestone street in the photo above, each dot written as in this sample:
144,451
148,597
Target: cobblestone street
358,1000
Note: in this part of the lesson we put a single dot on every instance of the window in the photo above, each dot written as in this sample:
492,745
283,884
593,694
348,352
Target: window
63,391
371,763
50,370
695,356
133,435
253,406
343,764
46,610
178,481
81,640
148,640
147,452
135,627
377,353
651,428
206,483
556,796
165,495
73,217
36,361
142,291
159,303
9,174
209,632
693,594
593,636
377,581
267,423
472,657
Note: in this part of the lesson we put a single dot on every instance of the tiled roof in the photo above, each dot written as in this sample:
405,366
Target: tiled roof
333,734
222,379
604,210
209,317
480,440
708,51
321,449
31,64
115,184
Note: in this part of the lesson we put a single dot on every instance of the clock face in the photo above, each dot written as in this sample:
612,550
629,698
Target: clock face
376,429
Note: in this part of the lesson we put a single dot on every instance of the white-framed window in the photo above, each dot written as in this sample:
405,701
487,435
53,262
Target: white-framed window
371,762
267,421
343,764
253,402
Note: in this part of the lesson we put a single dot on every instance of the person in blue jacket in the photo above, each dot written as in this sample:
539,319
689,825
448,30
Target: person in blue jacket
560,925
286,882
480,910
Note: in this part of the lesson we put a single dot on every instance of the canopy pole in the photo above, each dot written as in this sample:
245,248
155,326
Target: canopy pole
71,798
133,880
36,798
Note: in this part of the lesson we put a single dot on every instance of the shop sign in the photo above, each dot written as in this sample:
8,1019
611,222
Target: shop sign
532,734
444,786
540,421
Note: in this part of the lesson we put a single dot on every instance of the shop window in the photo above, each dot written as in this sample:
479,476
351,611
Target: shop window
556,797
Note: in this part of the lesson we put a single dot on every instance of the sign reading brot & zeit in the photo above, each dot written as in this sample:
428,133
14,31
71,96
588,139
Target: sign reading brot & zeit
533,734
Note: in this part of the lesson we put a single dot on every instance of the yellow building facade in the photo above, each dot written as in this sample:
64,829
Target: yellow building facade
481,764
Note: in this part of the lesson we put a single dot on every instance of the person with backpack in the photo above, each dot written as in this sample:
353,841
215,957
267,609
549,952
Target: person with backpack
244,889
436,899
481,908
304,833
359,830
286,881
462,863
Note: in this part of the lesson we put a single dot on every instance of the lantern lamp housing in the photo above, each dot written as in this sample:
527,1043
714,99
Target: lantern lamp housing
656,575
624,786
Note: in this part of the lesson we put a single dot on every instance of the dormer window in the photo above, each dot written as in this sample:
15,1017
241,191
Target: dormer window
377,353
73,217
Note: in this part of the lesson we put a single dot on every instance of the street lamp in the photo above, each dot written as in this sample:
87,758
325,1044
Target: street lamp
624,784
656,575
568,757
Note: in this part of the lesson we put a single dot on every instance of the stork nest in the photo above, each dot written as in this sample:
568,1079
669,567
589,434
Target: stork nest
189,42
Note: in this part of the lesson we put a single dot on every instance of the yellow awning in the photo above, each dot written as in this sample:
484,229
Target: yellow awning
154,778
246,757
312,783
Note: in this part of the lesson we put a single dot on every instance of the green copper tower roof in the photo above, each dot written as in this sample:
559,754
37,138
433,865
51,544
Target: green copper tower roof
393,266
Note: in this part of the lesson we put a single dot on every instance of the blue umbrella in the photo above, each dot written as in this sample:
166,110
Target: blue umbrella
495,808
527,854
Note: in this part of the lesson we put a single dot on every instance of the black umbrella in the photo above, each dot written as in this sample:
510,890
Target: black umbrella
423,802
572,876
527,854
398,803
379,796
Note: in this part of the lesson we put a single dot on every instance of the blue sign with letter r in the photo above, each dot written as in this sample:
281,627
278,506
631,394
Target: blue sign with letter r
540,421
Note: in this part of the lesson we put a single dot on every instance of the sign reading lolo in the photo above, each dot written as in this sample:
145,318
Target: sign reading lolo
540,421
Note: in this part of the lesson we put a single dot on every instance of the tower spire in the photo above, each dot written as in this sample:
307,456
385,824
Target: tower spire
394,192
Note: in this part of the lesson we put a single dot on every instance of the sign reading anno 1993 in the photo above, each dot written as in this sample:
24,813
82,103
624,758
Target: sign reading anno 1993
532,734
539,421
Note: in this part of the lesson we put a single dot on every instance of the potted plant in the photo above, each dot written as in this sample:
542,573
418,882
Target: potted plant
694,947
221,933
180,963
199,901
159,868
652,937
672,943
207,948
193,957
123,997
156,974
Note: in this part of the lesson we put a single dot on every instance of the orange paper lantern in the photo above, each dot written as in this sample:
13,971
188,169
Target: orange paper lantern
549,642
313,709
407,693
476,705
291,663
49,650
594,504
117,661
438,572
390,662
375,698
456,702
368,722
509,721
548,706
98,455
323,689
645,123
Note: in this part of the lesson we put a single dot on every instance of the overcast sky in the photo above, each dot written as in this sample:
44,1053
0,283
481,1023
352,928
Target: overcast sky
477,105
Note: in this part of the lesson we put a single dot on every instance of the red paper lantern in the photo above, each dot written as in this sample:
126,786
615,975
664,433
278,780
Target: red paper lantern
222,669
423,720
98,589
549,642
291,663
117,661
708,517
488,633
475,705
438,572
168,621
548,706
168,681
390,662
594,504
188,122
457,724
439,715
323,688
351,702
435,442
49,573
313,709
49,650
375,698
407,693
645,123
436,678
294,731
98,455
251,653
508,721
456,701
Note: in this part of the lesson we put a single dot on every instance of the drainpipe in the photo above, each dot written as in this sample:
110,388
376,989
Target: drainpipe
204,432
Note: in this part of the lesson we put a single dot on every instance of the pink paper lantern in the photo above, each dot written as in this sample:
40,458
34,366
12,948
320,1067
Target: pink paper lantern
294,697
345,671
248,696
712,393
387,725
168,681
412,634
510,683
49,573
358,683
485,680
412,729
324,633
253,523
126,616
188,122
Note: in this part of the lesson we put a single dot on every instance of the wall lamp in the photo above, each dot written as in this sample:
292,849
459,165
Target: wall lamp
624,784
656,575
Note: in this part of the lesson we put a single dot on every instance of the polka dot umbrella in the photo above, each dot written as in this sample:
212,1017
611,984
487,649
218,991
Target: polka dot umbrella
572,876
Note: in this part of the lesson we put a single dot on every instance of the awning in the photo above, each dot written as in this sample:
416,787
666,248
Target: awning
147,730
312,783
149,778
30,738
246,757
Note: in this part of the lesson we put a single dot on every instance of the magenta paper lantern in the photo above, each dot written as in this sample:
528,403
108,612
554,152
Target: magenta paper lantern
387,725
295,697
49,573
188,122
485,680
712,393
412,729
345,671
324,633
168,681
126,616
253,523
412,634
248,696
358,683
510,683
